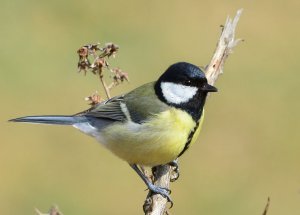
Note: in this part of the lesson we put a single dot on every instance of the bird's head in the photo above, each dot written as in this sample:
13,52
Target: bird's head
182,83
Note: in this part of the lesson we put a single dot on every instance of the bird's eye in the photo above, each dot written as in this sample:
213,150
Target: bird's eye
187,82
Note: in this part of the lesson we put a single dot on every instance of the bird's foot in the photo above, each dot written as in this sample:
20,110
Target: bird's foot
175,174
165,192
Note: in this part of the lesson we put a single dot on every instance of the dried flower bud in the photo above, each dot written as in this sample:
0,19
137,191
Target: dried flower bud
83,65
93,47
98,65
94,99
83,52
110,49
119,75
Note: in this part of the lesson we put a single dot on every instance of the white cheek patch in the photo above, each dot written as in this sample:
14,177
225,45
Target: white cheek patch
177,93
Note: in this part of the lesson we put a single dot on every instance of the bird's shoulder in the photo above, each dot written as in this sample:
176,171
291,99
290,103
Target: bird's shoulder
143,103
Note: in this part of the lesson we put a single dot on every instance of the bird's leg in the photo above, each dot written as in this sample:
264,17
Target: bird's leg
175,166
153,188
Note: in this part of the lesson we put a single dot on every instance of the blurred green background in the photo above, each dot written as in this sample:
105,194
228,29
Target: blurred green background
249,148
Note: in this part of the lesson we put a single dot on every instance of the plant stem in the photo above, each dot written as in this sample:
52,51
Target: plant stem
104,86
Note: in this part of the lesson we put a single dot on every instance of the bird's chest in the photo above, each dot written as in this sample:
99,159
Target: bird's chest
193,135
159,140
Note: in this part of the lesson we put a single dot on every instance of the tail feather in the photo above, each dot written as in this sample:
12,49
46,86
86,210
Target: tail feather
51,119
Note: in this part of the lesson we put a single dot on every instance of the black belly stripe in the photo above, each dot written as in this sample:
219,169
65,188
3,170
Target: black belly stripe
189,140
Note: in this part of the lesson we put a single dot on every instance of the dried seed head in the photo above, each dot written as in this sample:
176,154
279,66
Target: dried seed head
83,52
83,65
119,75
98,65
94,99
93,47
95,60
110,49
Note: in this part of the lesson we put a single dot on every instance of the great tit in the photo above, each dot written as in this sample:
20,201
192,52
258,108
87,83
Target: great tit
152,125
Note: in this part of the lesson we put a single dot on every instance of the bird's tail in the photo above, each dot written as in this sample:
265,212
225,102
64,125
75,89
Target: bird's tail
51,119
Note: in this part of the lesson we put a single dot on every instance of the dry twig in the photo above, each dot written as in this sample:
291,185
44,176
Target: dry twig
156,204
267,207
53,211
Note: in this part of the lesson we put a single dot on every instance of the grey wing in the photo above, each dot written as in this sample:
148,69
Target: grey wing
110,109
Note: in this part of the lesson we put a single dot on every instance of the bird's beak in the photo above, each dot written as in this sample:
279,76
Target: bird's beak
209,88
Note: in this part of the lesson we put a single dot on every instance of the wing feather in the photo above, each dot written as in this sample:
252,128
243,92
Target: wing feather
138,106
109,109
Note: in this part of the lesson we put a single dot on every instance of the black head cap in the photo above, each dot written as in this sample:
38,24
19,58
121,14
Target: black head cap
182,72
186,74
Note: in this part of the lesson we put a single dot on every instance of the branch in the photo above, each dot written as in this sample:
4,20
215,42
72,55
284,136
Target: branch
156,204
225,47
267,207
53,211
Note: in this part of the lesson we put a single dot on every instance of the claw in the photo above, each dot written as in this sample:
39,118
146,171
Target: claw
176,172
165,192
174,164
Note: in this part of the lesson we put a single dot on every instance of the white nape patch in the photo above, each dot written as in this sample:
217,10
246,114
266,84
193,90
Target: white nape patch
177,93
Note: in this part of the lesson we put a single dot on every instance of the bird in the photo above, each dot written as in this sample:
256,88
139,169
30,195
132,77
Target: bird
151,125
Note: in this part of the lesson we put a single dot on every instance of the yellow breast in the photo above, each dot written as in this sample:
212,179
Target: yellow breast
157,141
